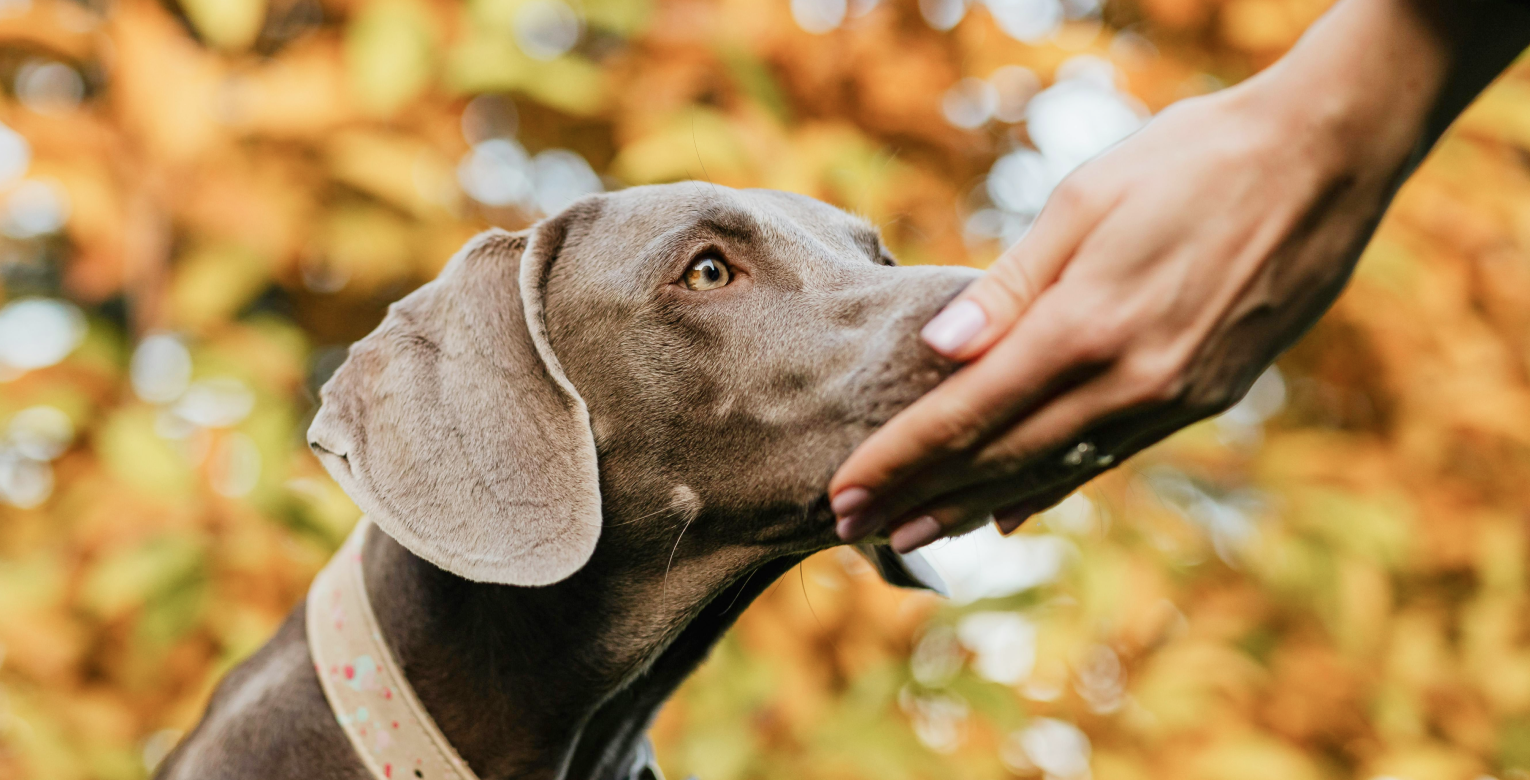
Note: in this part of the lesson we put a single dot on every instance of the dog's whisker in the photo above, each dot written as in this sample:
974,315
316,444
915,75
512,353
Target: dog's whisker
775,585
640,518
741,587
802,579
664,591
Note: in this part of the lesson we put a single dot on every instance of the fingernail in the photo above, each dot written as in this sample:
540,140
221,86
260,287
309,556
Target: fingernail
954,326
915,534
1008,521
1007,526
854,527
849,501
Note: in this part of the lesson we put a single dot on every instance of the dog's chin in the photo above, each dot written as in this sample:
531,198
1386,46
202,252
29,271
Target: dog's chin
803,529
809,540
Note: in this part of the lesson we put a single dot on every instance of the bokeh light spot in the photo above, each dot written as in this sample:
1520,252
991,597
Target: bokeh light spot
819,16
561,177
1004,644
546,29
49,87
970,103
24,483
1057,747
218,402
160,369
35,208
1031,21
38,332
943,14
41,432
15,155
496,173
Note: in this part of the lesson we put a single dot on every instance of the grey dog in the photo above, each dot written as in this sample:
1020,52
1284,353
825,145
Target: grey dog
586,448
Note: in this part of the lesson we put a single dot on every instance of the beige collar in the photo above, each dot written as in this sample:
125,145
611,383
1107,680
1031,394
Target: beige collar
373,701
389,728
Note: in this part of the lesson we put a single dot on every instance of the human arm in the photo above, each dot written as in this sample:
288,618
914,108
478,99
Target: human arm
1165,275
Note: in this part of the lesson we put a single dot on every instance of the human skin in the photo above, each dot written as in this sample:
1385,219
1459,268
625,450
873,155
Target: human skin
1166,274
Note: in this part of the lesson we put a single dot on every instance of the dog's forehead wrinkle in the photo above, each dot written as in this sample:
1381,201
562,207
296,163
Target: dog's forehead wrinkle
788,221
804,243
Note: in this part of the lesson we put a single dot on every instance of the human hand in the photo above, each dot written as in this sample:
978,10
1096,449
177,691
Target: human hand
1156,285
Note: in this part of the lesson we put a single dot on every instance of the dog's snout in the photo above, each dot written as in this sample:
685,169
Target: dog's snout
894,364
329,441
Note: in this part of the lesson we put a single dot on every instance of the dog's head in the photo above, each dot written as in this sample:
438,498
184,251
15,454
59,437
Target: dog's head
678,350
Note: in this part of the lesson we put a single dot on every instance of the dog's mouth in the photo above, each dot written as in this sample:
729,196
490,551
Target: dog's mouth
810,529
801,530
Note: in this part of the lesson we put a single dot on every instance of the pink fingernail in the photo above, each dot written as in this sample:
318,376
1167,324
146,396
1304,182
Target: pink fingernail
856,527
1008,525
845,529
849,501
954,327
1009,519
915,534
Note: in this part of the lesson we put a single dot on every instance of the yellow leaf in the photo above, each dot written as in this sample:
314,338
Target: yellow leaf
488,61
397,168
228,24
132,452
125,579
390,53
1252,757
697,144
213,283
367,246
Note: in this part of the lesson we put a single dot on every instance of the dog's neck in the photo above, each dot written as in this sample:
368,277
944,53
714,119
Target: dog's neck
558,681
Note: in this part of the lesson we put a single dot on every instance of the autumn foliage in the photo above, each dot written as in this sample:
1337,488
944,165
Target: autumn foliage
204,201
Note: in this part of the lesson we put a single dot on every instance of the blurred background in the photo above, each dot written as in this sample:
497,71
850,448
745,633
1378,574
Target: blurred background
202,202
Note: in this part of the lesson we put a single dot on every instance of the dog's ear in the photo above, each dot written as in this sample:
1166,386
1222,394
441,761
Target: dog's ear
906,570
454,428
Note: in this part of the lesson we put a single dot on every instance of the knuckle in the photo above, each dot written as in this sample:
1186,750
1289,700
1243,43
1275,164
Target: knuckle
1073,193
1089,348
1083,191
1092,339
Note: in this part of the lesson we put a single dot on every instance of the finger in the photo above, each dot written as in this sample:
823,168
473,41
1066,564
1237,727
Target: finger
954,515
1012,517
1018,497
990,306
961,511
957,513
1122,440
1015,459
950,419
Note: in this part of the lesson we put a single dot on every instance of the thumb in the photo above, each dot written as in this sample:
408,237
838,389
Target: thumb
990,306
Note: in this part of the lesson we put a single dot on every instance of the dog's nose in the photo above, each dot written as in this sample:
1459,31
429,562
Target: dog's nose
329,440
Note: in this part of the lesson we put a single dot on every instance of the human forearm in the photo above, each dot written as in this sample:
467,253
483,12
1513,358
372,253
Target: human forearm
1378,81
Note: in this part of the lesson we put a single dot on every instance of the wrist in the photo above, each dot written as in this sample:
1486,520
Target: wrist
1362,83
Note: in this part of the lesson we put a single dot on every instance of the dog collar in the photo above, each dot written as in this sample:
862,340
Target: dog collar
375,704
370,696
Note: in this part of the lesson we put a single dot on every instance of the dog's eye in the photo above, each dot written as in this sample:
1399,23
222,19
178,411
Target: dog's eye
708,272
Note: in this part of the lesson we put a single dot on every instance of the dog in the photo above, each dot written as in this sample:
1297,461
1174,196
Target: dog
584,449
